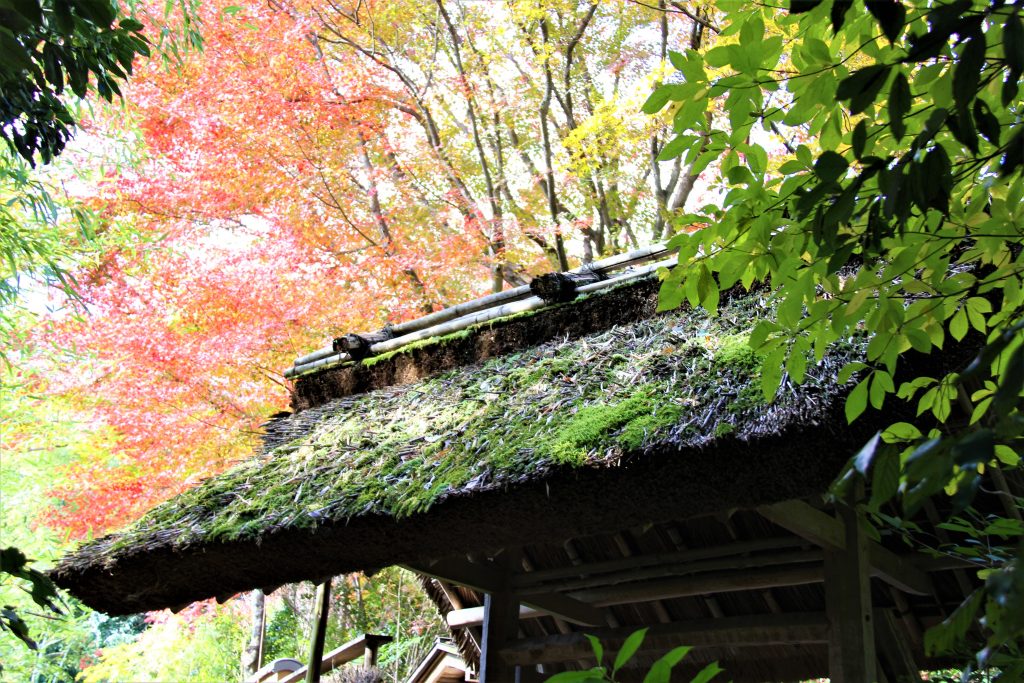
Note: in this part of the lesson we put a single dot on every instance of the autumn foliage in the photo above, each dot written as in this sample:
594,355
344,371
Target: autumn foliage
324,168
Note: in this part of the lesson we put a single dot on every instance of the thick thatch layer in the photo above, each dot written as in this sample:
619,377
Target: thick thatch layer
656,419
414,362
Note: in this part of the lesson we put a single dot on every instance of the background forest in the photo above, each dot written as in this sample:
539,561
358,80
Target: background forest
265,176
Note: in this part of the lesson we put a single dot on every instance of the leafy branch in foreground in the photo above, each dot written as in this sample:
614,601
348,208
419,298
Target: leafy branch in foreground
901,221
47,45
41,588
660,671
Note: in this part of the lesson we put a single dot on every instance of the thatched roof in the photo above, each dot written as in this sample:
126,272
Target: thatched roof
619,416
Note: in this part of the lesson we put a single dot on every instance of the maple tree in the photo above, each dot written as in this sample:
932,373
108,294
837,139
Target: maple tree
303,176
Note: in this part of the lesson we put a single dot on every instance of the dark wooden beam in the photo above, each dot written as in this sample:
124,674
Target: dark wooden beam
316,645
784,629
821,529
700,567
851,644
543,576
485,578
704,584
896,653
501,622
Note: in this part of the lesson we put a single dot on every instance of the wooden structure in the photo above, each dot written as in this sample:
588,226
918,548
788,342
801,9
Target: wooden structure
443,664
590,467
287,670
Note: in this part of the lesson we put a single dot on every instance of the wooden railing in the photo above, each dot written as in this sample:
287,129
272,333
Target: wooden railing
291,671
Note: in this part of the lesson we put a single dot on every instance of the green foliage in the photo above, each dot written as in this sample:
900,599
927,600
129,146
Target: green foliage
43,591
283,637
48,45
660,671
901,217
205,648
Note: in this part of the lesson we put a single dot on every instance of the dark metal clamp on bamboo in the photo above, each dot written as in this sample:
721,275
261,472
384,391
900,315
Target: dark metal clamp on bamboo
357,346
562,287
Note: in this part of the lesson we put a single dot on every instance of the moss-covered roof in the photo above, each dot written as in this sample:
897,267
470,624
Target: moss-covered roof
679,383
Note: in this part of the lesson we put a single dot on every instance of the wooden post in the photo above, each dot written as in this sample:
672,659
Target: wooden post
370,652
851,645
316,646
501,623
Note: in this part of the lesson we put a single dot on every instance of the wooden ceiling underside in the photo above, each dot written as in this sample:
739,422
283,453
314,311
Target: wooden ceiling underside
746,589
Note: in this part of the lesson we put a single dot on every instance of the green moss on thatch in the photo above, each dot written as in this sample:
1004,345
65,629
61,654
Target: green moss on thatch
682,379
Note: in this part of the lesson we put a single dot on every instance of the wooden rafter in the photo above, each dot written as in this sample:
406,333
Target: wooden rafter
486,578
625,564
703,584
783,629
821,529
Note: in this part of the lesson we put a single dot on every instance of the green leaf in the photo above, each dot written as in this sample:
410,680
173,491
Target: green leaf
1013,43
592,676
860,138
675,655
975,448
707,673
752,32
629,649
885,477
1011,384
13,52
946,636
958,324
857,401
986,122
839,10
1014,156
891,16
900,431
595,645
967,75
848,370
866,455
10,620
657,100
771,373
100,12
919,339
717,57
863,86
29,9
899,105
675,147
660,673
830,166
661,670
1007,455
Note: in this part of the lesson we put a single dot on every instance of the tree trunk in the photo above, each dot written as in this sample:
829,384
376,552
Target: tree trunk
253,654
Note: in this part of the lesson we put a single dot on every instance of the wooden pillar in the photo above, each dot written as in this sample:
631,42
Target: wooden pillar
370,652
501,623
316,646
851,645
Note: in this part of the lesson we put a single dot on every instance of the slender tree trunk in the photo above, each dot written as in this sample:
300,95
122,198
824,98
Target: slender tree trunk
253,654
